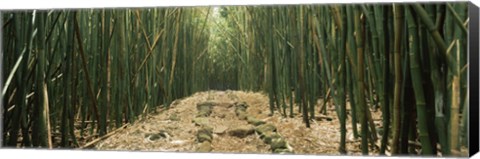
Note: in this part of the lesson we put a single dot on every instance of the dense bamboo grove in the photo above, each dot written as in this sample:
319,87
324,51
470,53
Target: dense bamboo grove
91,71
95,70
408,60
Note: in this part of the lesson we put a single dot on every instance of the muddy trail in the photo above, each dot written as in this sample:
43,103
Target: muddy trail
232,122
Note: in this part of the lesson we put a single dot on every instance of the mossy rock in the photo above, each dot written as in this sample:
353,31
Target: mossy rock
203,137
282,151
265,128
269,136
206,129
200,121
156,136
254,121
204,147
204,113
204,109
278,143
241,132
240,109
241,106
204,134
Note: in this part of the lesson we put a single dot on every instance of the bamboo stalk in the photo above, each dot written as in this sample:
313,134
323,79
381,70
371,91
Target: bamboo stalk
417,86
84,64
360,81
457,19
434,33
454,119
47,115
398,12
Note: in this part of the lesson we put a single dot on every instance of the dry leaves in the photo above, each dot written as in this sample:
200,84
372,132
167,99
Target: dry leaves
322,138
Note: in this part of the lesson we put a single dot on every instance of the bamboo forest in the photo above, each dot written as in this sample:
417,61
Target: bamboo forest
323,79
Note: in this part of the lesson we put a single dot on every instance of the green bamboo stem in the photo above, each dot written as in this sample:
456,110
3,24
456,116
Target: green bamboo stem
434,33
39,130
360,81
417,85
458,20
398,13
383,93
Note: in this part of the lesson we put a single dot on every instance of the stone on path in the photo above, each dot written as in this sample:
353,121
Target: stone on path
204,147
254,121
262,129
283,151
204,109
240,107
220,129
204,134
269,136
278,143
242,115
200,121
241,131
162,134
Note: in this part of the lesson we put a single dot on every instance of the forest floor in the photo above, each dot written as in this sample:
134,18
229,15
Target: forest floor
173,130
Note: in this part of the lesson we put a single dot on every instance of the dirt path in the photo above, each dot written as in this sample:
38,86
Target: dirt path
173,130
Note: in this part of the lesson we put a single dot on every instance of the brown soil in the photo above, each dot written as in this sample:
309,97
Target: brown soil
322,137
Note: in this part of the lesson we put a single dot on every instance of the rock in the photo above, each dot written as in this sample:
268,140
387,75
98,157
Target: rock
156,136
240,107
242,116
200,121
282,151
204,147
269,136
152,137
254,121
241,132
220,129
241,104
265,128
203,114
204,134
238,112
164,134
204,109
202,137
278,143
